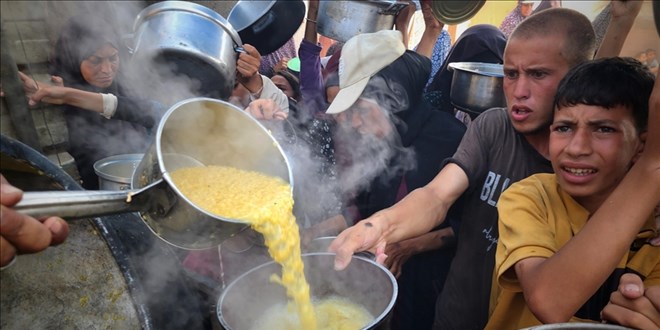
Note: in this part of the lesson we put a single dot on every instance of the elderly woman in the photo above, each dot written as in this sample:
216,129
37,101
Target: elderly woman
391,141
101,120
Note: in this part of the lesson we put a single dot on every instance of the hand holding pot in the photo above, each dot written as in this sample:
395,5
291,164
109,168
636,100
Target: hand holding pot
247,67
20,233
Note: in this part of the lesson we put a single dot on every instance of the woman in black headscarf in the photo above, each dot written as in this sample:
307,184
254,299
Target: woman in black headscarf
101,120
479,43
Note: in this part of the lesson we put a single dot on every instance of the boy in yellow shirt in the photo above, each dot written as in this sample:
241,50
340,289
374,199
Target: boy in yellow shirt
567,238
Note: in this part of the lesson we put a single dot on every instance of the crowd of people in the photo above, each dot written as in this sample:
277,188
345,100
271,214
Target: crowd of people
544,211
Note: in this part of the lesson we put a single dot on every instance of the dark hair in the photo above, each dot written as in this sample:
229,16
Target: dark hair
574,27
609,82
293,81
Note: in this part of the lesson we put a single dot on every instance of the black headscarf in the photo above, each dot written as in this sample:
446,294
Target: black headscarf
91,136
432,135
480,43
79,39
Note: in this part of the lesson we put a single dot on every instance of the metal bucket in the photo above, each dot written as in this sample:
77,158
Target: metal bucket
363,282
115,172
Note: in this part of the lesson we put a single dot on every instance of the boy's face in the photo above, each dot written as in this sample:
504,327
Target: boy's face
533,68
591,149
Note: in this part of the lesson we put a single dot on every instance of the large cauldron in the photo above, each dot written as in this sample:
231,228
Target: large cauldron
364,282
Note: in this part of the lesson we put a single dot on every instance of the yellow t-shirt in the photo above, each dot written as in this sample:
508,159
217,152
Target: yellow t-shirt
536,218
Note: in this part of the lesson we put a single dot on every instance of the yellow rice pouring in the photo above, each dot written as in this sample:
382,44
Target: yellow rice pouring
266,203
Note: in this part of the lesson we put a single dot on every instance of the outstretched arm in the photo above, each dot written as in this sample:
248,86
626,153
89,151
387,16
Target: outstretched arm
58,94
399,253
416,214
623,17
432,30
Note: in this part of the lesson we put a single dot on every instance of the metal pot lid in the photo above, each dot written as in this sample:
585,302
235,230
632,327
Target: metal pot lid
484,69
455,12
245,13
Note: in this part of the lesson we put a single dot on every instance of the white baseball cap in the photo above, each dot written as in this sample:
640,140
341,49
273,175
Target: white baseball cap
363,56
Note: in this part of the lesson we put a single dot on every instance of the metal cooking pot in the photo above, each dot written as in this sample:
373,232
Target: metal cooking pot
267,25
191,40
455,12
194,132
364,282
476,87
115,172
341,20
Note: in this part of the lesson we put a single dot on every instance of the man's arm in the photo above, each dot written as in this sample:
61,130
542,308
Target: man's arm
432,30
416,214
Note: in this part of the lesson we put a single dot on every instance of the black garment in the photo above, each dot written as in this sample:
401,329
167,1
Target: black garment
91,136
433,136
493,156
480,43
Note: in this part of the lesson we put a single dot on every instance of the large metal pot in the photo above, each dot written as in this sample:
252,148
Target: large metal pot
191,40
476,87
194,132
341,20
267,25
363,282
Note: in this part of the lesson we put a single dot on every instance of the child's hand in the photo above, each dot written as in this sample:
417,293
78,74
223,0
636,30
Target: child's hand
632,305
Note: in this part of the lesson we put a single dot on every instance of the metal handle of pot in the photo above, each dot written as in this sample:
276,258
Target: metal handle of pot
76,204
84,204
393,9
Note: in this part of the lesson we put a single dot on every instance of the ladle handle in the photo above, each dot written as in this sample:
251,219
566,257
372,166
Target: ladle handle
76,204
